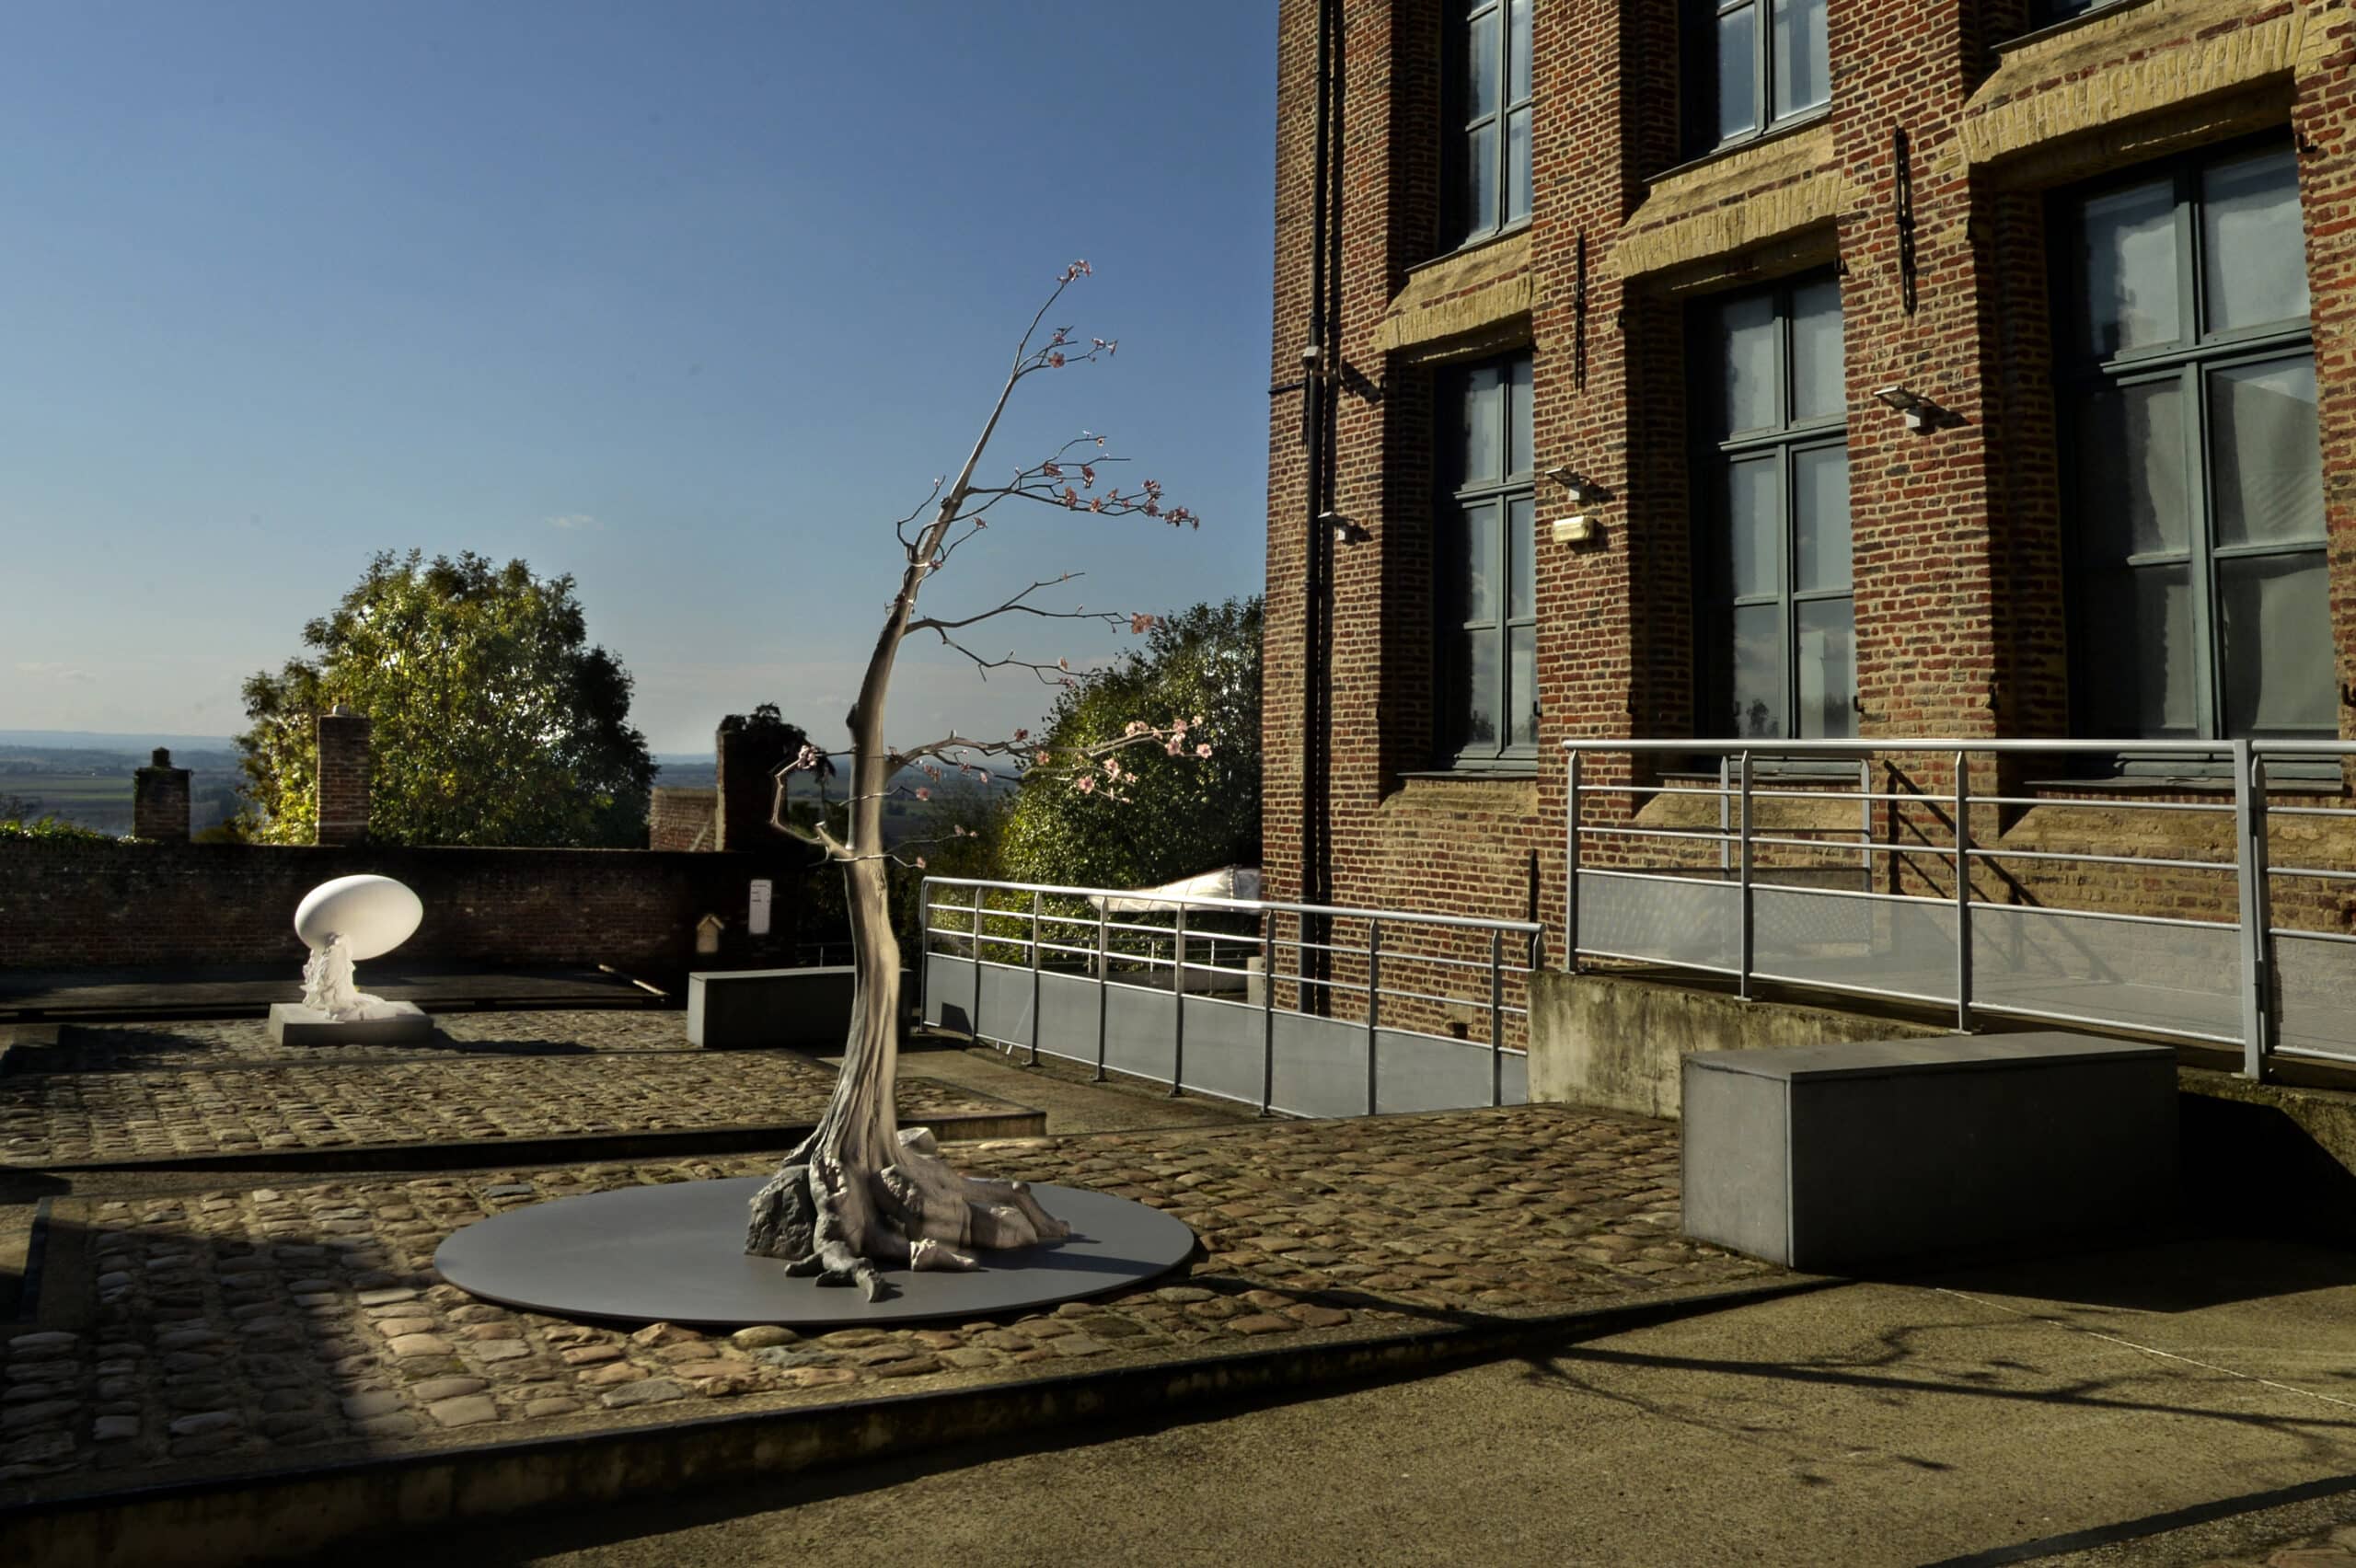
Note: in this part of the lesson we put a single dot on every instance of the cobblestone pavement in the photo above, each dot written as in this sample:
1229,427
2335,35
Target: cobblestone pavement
79,1118
254,1328
115,1047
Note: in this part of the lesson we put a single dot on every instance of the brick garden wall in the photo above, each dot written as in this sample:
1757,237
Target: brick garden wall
1960,598
73,906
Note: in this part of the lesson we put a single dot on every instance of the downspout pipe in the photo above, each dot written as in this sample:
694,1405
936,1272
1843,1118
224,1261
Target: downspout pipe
1316,427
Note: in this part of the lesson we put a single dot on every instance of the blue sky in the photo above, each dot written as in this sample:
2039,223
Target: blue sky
686,300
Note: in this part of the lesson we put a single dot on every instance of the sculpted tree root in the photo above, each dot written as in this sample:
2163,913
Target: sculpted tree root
838,1217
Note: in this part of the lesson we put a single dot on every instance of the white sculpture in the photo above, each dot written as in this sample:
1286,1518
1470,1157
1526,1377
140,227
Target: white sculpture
328,984
343,922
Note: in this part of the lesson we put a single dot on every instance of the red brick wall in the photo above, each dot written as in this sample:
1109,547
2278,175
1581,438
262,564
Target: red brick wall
68,905
1960,598
683,819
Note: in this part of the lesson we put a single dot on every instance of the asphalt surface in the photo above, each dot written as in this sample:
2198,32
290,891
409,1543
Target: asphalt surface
2161,1406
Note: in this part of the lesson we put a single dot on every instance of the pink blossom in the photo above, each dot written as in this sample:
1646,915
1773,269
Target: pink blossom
1172,747
1137,727
1203,749
1052,470
1087,474
1056,361
920,862
1020,736
923,795
1042,759
1087,784
1198,720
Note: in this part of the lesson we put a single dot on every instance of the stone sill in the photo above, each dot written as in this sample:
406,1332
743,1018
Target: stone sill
1752,142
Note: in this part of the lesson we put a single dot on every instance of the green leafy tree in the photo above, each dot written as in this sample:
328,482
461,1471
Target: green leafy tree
496,720
1167,812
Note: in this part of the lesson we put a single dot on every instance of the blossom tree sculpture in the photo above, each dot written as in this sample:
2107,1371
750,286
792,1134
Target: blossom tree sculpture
860,1192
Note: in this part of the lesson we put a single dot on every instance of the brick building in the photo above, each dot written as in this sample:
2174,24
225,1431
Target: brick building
1975,368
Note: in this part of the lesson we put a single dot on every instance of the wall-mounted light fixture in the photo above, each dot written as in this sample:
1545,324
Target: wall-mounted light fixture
1346,530
1580,488
1922,414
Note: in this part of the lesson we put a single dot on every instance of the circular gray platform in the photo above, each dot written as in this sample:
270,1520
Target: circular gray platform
674,1253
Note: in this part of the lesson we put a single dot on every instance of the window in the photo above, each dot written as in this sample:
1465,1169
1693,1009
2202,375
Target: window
1778,655
2194,467
1751,65
1490,171
1486,555
2046,12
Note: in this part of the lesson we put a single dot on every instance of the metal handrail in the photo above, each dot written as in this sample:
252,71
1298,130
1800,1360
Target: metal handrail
1245,905
1940,834
1006,926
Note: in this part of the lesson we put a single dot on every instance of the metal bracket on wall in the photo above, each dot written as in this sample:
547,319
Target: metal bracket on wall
1902,157
1579,314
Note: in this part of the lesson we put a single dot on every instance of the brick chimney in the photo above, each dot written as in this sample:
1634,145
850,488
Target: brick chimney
747,765
159,801
343,778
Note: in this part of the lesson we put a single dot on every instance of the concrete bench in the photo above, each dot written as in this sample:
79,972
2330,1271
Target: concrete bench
802,1009
1824,1156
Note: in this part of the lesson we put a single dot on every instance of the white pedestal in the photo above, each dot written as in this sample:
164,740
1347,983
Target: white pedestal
292,1023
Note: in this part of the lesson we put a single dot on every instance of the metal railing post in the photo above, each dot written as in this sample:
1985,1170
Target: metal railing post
1373,1002
1742,979
1267,1008
1178,1004
2250,866
1497,1018
1571,876
1865,821
924,943
1035,980
1725,813
1103,982
977,966
1962,892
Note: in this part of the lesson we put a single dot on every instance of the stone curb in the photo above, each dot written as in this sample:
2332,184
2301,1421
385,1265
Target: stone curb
234,1519
1015,1122
231,1012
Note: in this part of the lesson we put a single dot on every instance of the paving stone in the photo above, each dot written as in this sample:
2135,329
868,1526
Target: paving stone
541,1409
469,1410
380,1401
761,1336
650,1391
418,1345
433,1389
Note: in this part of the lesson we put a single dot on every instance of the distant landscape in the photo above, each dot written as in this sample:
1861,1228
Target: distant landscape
86,779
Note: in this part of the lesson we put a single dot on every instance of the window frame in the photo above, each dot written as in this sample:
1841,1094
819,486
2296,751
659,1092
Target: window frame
1459,125
1455,498
1699,81
2188,363
1716,455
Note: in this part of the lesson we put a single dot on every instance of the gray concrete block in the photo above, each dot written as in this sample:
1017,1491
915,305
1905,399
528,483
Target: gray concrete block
292,1023
802,1009
1826,1157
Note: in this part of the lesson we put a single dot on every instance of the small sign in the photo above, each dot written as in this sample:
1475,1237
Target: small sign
757,919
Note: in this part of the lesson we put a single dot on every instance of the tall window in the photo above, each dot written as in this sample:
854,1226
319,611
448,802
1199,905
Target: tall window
1486,557
2047,11
1751,65
2187,383
1490,169
1778,633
